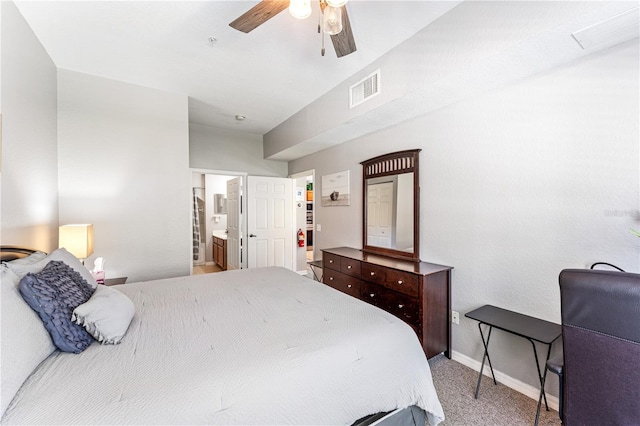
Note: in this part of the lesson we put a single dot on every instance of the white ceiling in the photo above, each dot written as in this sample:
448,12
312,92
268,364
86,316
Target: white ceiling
266,75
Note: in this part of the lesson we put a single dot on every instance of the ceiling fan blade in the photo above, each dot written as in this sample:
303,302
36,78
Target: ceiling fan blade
259,14
343,42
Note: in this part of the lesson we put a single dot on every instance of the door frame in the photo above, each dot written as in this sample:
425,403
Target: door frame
312,173
244,205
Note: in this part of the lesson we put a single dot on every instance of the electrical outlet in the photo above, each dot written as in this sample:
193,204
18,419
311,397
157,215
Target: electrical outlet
455,317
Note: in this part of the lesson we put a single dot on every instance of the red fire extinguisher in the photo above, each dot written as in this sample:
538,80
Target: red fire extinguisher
300,238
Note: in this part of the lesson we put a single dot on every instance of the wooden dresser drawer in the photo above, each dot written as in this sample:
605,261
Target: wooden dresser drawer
350,267
404,307
371,294
374,273
403,282
331,261
343,282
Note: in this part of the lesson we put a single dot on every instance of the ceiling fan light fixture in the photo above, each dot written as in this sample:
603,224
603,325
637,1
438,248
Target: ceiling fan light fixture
332,20
336,3
300,9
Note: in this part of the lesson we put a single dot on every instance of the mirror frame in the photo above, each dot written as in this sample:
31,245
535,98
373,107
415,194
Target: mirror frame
394,163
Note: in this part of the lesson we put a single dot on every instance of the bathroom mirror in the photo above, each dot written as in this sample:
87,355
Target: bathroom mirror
391,207
219,204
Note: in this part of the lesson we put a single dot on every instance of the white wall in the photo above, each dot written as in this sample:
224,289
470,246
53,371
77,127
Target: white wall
516,184
29,157
214,148
124,166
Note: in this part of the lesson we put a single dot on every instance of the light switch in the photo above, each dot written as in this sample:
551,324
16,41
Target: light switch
318,227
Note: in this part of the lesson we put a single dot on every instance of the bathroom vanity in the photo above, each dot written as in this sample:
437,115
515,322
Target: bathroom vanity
220,249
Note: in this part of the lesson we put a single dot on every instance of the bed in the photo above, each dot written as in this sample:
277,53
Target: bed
255,346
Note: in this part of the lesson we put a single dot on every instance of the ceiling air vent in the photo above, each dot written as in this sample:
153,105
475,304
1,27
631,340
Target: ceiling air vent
365,89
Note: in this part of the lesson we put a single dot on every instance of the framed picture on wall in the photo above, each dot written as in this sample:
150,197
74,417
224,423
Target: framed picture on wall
336,190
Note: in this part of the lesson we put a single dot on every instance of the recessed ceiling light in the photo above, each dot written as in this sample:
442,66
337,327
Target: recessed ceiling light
240,117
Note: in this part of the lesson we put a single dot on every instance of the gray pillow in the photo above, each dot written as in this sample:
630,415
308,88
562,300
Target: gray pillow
21,269
54,293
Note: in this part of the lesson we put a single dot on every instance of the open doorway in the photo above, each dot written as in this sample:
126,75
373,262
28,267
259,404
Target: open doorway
209,221
305,219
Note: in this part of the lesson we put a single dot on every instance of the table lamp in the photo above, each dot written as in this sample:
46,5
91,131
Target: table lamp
77,239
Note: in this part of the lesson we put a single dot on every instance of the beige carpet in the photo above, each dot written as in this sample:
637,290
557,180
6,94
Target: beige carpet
496,405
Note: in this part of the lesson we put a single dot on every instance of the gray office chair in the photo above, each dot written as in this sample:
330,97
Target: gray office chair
599,368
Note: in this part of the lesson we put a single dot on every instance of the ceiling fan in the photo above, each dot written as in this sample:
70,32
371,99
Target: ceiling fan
335,20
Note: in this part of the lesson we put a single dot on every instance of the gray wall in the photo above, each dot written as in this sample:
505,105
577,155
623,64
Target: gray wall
441,65
124,166
29,119
516,184
219,149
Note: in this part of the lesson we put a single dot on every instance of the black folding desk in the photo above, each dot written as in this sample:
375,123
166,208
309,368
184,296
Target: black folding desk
530,328
316,264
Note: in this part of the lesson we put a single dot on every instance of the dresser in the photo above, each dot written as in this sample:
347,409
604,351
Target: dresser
419,293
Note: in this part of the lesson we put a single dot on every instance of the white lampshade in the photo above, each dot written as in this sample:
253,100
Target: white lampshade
332,20
77,239
336,3
300,9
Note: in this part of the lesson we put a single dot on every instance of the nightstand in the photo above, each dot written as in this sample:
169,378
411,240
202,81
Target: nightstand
115,281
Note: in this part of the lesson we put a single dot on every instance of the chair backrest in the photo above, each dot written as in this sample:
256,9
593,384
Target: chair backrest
601,343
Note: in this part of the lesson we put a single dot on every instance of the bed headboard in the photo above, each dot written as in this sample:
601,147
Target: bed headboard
8,253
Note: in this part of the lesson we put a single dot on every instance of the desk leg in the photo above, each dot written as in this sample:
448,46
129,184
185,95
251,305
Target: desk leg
543,378
315,275
485,357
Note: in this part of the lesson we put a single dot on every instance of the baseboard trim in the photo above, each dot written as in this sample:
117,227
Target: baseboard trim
524,388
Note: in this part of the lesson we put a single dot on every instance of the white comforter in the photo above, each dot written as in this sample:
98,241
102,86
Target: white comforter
257,346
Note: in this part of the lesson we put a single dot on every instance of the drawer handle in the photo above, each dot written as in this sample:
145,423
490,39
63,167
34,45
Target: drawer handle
348,266
400,282
331,261
400,306
349,285
330,278
373,273
372,295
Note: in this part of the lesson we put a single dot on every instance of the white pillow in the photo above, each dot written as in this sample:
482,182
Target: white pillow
60,254
106,315
25,343
32,258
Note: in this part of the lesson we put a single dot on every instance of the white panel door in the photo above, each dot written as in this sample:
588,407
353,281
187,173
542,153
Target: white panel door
234,223
270,225
380,214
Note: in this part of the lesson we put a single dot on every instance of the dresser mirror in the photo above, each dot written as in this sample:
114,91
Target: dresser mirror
392,205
